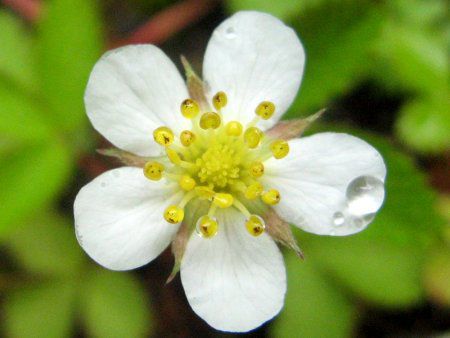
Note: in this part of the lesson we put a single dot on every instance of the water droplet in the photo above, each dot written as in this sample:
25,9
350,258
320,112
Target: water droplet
365,195
338,219
230,33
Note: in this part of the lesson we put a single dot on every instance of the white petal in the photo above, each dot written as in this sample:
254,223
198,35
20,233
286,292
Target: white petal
132,91
234,281
119,218
254,57
313,180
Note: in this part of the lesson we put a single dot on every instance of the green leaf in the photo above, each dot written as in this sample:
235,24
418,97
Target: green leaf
337,50
47,246
417,60
44,310
376,271
69,44
114,305
383,263
314,307
437,275
21,119
16,54
30,178
424,123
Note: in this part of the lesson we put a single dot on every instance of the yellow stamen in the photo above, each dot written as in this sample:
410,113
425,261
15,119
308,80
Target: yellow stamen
253,137
255,225
187,137
223,200
279,148
204,192
153,170
207,227
174,214
233,128
173,156
271,197
238,204
187,198
265,110
220,100
163,136
189,108
253,191
210,120
187,183
256,169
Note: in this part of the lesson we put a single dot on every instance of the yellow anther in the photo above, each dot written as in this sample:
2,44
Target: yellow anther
187,137
163,136
189,108
256,169
223,200
279,148
255,225
253,191
210,121
173,156
153,170
271,197
265,110
253,136
207,227
220,100
233,128
204,192
187,183
174,214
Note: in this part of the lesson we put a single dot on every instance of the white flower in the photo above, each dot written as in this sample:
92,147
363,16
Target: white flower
222,175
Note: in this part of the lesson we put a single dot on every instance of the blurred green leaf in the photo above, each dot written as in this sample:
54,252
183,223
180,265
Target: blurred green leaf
313,307
437,275
424,123
114,305
16,61
337,50
20,117
47,245
423,13
417,60
383,264
29,178
40,311
69,43
376,271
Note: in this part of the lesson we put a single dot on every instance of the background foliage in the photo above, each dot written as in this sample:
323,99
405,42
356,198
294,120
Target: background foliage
382,70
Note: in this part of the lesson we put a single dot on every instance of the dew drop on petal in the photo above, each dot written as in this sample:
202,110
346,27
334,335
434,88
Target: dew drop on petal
338,219
365,195
230,33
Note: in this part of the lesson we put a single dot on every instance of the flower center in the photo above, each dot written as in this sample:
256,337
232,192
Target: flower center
219,166
217,162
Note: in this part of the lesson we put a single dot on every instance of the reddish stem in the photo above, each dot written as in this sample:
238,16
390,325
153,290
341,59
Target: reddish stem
28,9
168,22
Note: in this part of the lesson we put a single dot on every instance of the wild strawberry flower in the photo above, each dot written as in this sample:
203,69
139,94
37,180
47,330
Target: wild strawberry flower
210,170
